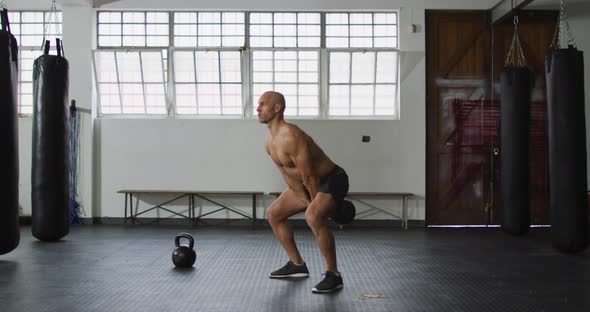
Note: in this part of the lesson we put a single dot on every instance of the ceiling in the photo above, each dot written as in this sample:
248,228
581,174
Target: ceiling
554,4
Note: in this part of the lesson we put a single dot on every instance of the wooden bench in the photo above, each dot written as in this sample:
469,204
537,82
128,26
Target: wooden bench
359,196
174,195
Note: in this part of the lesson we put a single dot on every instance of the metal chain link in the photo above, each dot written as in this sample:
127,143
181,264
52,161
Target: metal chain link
562,19
515,57
52,19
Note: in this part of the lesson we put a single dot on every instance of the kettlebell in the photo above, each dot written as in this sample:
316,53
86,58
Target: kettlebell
345,212
184,256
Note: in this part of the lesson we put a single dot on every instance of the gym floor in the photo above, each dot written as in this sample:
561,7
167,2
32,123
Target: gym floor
129,268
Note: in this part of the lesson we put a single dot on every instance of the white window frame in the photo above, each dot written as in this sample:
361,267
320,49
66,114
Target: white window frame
248,102
173,111
396,114
49,27
119,83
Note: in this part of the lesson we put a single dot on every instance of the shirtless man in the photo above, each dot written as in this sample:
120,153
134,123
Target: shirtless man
315,185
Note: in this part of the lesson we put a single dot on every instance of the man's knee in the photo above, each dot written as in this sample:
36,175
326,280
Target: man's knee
314,217
272,215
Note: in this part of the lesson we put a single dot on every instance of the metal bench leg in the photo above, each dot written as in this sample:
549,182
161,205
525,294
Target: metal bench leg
253,209
404,213
125,218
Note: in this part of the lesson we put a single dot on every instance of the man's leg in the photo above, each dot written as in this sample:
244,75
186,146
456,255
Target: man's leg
287,205
317,215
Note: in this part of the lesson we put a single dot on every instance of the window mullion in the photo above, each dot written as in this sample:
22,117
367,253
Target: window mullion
196,82
246,71
324,69
220,82
118,81
171,89
324,83
170,84
350,84
374,82
139,54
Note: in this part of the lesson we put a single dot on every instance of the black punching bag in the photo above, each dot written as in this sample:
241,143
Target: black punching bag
515,86
50,196
564,71
9,231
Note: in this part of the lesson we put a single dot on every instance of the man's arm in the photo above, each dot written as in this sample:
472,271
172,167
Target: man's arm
301,157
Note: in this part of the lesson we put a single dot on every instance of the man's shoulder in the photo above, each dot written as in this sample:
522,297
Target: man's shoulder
292,130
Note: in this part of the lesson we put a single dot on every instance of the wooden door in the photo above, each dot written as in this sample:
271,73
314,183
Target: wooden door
461,118
463,109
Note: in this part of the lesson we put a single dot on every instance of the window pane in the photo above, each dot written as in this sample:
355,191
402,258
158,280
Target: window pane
232,99
308,100
385,99
361,30
363,67
261,18
157,17
385,18
208,99
231,70
152,66
386,67
134,17
207,66
184,66
133,29
129,67
106,69
132,96
285,30
361,100
339,67
186,99
185,17
339,100
209,29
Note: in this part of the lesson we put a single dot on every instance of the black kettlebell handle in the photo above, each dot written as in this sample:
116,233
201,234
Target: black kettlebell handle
191,240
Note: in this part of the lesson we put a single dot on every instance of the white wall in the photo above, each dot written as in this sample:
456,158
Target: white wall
229,154
579,20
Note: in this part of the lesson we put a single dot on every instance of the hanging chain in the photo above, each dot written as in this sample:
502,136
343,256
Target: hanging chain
52,19
562,19
515,57
3,4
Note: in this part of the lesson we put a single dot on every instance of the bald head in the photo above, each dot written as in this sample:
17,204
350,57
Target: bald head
276,98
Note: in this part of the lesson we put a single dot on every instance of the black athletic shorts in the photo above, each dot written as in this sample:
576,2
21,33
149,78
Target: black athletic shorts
335,183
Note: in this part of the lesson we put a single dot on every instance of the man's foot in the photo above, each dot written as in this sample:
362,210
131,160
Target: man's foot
330,283
290,270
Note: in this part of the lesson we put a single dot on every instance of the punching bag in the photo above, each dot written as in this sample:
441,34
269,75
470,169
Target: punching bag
50,196
9,230
515,89
564,71
515,86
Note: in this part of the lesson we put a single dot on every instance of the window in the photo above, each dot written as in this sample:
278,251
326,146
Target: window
363,83
285,58
29,28
328,65
208,82
133,78
133,29
293,73
209,29
363,59
361,30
